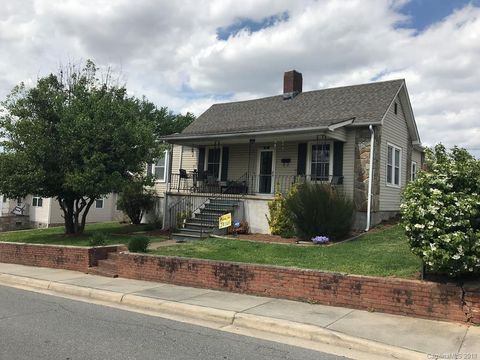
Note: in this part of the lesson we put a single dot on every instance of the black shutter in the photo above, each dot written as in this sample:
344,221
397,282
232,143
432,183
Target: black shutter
338,158
201,162
224,176
302,159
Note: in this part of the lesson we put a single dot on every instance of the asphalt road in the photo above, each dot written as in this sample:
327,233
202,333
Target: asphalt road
37,326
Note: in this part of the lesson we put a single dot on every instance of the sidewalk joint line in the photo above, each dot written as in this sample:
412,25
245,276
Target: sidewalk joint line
463,339
253,307
340,318
191,297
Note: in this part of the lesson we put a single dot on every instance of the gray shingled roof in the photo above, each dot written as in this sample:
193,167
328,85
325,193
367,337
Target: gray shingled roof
366,103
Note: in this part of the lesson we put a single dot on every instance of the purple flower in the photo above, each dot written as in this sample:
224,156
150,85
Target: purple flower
320,239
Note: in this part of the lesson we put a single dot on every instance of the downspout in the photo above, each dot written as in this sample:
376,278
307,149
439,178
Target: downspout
370,177
168,165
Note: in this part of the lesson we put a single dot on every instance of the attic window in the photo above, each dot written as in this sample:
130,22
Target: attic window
395,108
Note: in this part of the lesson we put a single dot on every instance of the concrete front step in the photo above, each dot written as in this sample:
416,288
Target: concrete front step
95,270
205,221
109,265
112,256
193,230
225,203
207,217
215,211
106,267
198,224
182,236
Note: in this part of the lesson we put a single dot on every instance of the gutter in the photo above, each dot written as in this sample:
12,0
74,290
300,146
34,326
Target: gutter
370,177
330,127
246,134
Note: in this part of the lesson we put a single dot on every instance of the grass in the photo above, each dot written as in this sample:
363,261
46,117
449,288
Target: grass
384,252
116,234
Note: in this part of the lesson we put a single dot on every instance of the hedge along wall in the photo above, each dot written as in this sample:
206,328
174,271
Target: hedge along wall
395,296
54,256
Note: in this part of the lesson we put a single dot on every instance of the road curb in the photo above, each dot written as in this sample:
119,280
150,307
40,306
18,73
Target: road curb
323,335
223,318
24,281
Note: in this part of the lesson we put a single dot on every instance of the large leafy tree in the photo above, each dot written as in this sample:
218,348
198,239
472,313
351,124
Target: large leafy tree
77,136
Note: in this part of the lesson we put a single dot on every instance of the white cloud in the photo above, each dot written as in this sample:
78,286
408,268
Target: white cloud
169,51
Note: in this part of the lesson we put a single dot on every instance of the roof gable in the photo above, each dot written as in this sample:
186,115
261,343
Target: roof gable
404,99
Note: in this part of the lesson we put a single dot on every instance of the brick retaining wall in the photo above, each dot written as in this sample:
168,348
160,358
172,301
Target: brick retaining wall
53,256
390,295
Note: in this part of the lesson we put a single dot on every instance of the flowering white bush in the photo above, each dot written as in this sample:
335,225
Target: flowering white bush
441,212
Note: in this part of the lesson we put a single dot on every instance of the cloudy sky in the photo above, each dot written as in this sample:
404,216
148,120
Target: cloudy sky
189,54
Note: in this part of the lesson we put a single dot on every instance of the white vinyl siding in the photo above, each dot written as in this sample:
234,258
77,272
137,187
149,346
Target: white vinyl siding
106,213
417,157
238,160
286,150
394,131
39,214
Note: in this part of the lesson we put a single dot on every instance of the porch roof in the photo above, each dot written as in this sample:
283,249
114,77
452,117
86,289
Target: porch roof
334,131
313,110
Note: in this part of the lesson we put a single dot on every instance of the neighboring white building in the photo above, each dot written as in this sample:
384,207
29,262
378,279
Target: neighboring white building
46,212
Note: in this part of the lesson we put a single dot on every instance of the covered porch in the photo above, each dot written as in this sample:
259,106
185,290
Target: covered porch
261,165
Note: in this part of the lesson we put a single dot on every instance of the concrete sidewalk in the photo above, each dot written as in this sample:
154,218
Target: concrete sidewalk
386,335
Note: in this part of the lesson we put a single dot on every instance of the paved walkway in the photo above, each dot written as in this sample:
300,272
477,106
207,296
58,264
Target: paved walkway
422,336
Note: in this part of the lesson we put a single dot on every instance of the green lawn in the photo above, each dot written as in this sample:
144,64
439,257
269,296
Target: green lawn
384,252
117,234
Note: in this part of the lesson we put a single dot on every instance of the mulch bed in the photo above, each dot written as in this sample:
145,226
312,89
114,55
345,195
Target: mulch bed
264,238
277,239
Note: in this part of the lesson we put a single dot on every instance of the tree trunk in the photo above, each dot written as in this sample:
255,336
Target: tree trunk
67,206
75,213
84,215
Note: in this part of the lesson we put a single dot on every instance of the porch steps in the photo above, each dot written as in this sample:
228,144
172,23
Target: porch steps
106,267
202,224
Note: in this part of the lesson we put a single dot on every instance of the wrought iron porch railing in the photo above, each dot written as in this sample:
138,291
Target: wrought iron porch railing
248,184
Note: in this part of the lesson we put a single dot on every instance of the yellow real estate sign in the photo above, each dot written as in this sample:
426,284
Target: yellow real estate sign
225,221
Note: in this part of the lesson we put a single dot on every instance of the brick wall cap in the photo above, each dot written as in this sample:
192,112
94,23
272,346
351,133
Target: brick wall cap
62,246
472,285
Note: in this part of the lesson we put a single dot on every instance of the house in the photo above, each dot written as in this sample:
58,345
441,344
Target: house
361,139
34,211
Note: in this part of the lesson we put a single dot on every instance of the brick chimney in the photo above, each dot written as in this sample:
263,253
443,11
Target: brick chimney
292,84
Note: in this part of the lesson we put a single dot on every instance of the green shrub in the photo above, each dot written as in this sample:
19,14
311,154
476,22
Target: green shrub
154,225
138,244
441,212
98,239
280,222
135,200
182,216
318,210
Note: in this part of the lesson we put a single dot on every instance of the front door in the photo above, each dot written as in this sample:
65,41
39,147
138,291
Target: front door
265,172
